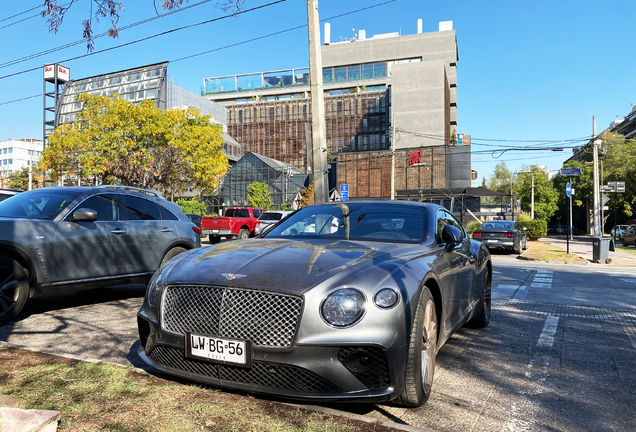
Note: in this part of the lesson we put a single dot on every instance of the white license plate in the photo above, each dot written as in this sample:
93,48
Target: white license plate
219,350
493,241
215,231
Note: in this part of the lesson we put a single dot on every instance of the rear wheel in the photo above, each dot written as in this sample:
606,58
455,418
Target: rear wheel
518,248
420,365
14,289
243,234
214,239
171,254
624,244
481,317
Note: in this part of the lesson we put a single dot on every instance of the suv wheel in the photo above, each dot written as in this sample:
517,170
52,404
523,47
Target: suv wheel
171,254
14,289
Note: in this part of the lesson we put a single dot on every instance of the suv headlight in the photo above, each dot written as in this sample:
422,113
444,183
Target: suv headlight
156,285
343,307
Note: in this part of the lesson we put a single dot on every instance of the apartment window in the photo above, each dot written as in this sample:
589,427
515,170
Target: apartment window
340,74
4,151
10,149
10,161
353,73
379,70
367,71
327,75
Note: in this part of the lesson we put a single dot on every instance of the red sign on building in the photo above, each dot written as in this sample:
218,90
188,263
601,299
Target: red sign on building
415,157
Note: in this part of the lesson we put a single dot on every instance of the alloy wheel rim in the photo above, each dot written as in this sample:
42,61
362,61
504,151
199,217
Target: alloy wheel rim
9,288
429,344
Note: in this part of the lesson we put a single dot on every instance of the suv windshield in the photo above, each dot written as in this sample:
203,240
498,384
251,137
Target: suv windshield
37,204
370,222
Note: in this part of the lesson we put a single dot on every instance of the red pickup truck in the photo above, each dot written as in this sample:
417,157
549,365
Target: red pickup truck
237,222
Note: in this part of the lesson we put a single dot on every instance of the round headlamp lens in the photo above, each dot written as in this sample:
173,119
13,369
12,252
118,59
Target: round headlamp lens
154,289
343,307
386,298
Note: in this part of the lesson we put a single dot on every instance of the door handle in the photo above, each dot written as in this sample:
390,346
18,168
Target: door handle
118,231
166,230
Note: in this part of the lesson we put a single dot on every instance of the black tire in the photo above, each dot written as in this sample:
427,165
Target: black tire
518,250
171,254
14,289
624,244
420,363
214,239
525,244
481,316
243,234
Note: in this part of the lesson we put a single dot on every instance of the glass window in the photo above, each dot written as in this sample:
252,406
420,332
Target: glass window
10,161
327,76
136,208
10,149
37,204
367,71
167,214
379,70
353,73
106,206
340,74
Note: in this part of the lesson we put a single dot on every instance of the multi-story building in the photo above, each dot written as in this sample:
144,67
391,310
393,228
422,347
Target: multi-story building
16,154
370,84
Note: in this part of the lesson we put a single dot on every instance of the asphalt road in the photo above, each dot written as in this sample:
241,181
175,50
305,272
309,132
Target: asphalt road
559,354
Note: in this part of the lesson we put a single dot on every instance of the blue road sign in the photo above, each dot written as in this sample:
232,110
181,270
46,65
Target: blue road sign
344,192
570,171
568,189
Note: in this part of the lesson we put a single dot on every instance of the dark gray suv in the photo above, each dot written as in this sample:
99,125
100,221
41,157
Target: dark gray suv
62,239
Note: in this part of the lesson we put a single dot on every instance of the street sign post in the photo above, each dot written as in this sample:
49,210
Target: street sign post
568,189
570,172
344,192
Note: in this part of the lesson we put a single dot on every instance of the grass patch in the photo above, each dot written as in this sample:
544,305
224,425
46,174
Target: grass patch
104,397
619,248
546,252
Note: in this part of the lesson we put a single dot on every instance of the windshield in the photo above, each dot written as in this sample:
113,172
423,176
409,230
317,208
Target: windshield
499,225
370,222
270,217
37,204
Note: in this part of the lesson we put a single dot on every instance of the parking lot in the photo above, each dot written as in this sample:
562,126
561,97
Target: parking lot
559,354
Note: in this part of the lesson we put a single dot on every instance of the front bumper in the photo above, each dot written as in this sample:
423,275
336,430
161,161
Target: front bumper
313,373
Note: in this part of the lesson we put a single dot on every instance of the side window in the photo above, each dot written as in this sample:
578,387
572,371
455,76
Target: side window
441,223
232,213
106,207
257,213
167,214
139,209
450,220
244,213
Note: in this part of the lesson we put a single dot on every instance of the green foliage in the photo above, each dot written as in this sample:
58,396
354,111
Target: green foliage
536,228
258,196
472,227
454,137
138,145
500,179
285,207
545,196
193,206
618,165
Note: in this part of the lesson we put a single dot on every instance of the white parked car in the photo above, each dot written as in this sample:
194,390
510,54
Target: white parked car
618,230
269,218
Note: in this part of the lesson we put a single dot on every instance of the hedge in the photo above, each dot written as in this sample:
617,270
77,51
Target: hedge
536,228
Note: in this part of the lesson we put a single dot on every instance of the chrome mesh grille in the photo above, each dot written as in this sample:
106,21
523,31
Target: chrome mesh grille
377,376
266,375
266,319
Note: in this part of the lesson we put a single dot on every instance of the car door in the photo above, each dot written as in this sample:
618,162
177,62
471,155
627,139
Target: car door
148,236
86,250
461,261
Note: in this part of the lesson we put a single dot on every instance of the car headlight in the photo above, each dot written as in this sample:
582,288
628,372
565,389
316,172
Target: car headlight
386,298
343,307
156,285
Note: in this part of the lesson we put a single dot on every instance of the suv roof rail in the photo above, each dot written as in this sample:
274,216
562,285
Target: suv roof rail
136,189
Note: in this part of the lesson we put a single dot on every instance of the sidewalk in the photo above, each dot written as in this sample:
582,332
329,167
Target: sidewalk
582,246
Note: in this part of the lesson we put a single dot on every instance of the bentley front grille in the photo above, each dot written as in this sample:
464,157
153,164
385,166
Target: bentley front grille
265,375
267,319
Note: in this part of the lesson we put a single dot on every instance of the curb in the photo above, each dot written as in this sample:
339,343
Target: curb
316,408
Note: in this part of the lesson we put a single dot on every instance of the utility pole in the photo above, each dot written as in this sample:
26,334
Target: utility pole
392,156
597,213
318,130
532,198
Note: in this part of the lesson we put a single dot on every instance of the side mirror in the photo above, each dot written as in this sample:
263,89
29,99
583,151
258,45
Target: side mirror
451,235
84,215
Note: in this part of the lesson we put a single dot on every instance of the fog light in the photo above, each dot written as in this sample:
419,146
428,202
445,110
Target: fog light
358,361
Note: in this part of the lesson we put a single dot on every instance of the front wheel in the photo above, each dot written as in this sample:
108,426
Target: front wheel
481,316
14,289
420,363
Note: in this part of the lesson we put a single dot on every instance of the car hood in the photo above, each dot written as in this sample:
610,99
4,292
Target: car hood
284,265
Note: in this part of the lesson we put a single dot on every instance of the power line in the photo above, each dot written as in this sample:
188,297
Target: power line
151,37
18,100
22,13
78,42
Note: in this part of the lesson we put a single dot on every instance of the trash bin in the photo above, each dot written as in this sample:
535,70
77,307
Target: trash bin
600,250
612,247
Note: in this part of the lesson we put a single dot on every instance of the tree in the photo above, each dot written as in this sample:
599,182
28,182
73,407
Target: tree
618,165
193,206
545,196
500,179
19,180
307,196
54,13
139,145
258,196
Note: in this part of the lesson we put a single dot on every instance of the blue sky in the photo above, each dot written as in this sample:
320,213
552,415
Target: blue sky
527,71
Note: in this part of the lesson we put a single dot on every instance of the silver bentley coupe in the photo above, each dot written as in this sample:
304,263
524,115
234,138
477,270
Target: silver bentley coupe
347,301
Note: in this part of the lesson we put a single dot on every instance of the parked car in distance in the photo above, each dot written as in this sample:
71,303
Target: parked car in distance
618,230
502,235
7,193
195,219
356,313
237,222
269,218
61,239
629,236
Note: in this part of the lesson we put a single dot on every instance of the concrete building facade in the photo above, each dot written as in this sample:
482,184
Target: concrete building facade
368,84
